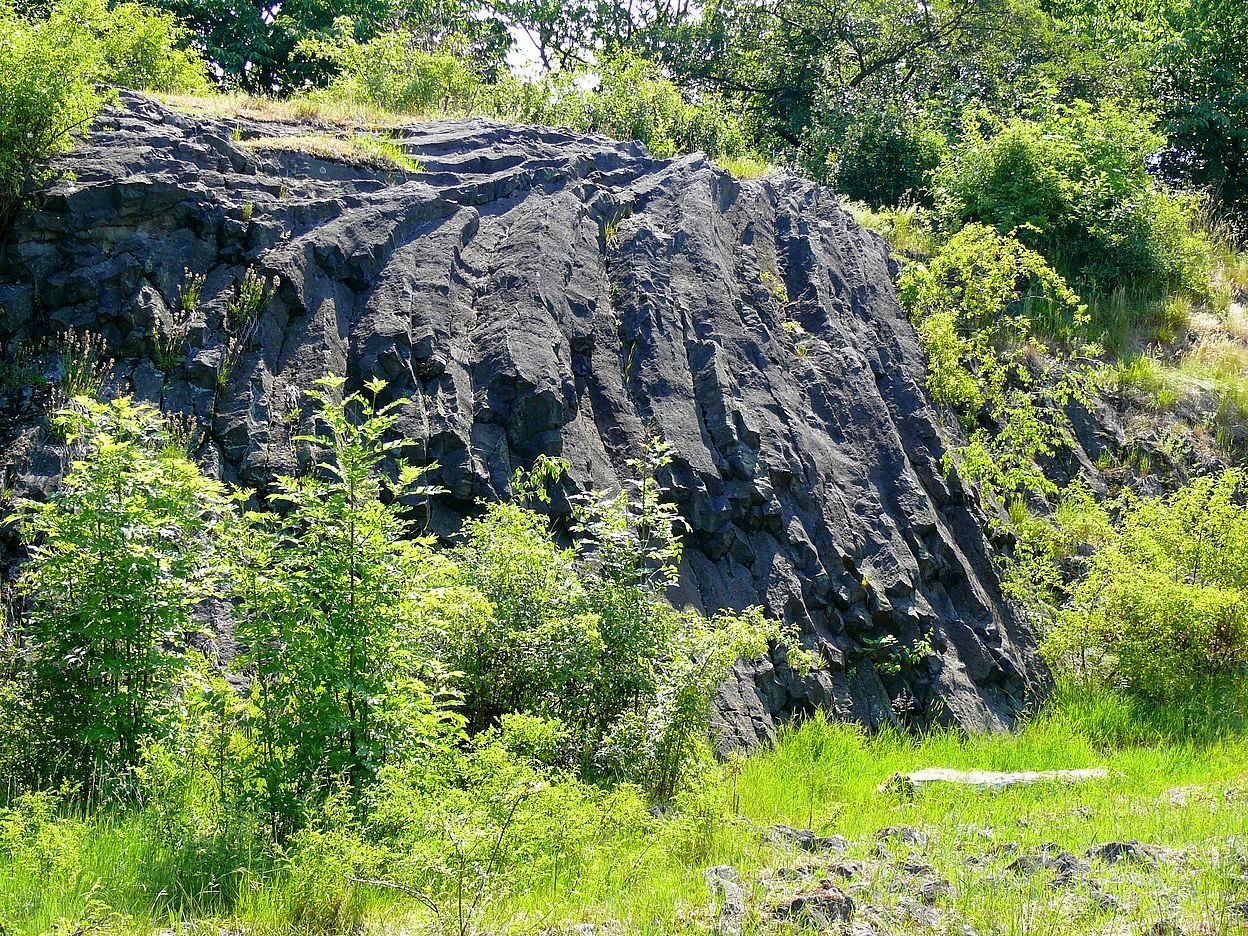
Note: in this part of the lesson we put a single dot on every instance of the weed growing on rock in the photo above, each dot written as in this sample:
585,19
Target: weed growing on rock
250,296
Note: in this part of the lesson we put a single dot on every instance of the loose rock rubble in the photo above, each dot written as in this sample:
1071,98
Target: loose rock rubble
806,840
821,907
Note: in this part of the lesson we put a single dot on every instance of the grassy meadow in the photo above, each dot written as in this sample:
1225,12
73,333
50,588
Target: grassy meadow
1180,791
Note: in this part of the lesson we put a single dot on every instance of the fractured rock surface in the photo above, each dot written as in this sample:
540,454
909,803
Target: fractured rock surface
535,291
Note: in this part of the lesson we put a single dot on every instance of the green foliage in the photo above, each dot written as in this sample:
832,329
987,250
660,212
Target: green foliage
520,631
48,70
1051,551
583,639
50,66
143,48
120,556
882,154
623,95
1163,605
280,52
397,71
1204,108
482,841
629,98
1000,329
1075,184
330,594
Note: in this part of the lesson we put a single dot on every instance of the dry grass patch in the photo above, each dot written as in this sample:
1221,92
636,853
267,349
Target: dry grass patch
299,110
360,150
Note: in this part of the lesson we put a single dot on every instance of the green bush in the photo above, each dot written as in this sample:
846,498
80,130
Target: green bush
881,154
1000,329
623,96
1163,606
144,48
1075,185
533,643
119,557
629,98
329,591
397,71
583,640
50,66
48,70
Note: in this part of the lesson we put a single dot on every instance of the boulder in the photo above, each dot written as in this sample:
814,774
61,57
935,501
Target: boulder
538,292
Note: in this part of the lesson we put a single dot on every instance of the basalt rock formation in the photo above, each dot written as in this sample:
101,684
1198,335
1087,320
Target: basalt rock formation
535,291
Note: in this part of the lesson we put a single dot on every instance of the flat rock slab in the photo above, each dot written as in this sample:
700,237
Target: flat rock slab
997,780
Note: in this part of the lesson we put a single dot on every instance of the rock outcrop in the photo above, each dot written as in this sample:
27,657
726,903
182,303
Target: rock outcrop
534,291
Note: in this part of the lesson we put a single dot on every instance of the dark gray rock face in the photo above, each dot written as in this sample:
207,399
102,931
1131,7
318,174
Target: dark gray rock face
534,291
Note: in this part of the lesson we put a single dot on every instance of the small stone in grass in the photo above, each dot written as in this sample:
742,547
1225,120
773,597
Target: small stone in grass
1114,852
824,907
907,835
918,913
724,880
933,889
1065,866
806,840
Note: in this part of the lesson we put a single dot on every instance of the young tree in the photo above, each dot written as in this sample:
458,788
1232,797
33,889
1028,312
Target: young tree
119,557
331,600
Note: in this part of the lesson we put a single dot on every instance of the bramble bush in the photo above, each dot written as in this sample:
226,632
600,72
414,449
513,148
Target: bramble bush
583,642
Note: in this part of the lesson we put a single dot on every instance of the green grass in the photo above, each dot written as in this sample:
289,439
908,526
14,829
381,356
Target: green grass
129,873
363,150
744,167
907,229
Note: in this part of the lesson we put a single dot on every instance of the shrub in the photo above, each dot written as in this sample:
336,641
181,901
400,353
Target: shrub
584,640
48,70
397,71
143,48
1000,327
329,595
1075,185
879,154
1163,606
50,66
629,98
119,557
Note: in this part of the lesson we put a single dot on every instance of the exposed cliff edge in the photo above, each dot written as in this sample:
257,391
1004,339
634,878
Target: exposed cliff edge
535,291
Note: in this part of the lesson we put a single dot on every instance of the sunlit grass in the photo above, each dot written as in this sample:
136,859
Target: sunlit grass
360,149
744,167
339,113
121,874
907,229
